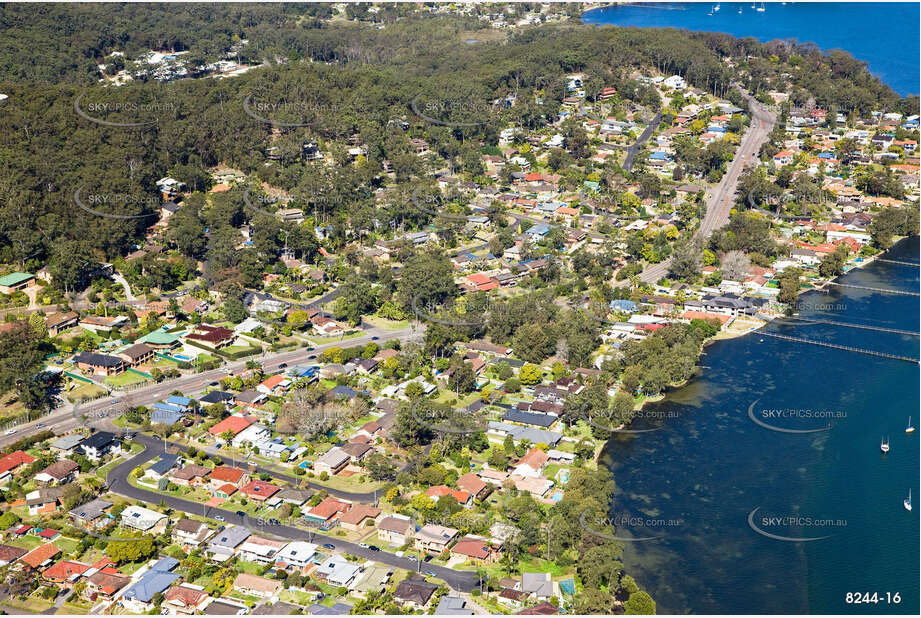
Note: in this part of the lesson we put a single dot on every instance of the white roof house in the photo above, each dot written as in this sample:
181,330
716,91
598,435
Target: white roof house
139,518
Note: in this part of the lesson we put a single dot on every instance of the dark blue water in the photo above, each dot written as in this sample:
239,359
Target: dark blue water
710,465
885,35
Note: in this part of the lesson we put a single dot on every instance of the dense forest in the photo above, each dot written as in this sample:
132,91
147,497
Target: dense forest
324,81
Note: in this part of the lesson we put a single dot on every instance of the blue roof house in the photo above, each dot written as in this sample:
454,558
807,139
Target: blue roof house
157,579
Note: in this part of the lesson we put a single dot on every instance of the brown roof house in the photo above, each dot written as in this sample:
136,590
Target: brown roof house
395,529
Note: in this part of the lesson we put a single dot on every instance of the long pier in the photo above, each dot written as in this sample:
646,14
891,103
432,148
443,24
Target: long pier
837,346
880,329
864,287
888,261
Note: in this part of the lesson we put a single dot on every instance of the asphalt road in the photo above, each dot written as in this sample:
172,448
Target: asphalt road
722,199
634,148
63,420
117,481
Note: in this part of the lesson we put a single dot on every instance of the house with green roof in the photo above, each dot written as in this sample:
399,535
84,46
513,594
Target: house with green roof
160,340
15,281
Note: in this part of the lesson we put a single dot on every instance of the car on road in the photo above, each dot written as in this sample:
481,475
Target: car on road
328,546
427,559
282,365
431,573
374,548
215,383
241,513
311,357
40,425
219,517
363,545
274,522
374,338
9,432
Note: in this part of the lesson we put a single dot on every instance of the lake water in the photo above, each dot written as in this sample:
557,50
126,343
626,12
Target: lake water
885,35
708,466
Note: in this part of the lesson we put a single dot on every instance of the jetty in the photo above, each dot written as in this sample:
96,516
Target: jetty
847,348
880,329
864,287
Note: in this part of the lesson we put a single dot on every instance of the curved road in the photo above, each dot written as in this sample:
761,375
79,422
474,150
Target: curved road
463,581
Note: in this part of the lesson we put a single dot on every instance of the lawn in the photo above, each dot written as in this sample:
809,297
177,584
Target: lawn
85,392
350,483
385,324
128,378
31,605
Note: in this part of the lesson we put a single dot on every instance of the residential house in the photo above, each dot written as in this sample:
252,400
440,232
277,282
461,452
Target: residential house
463,498
100,444
57,323
185,599
222,475
327,512
434,539
93,514
453,606
65,572
224,544
414,592
160,576
162,466
475,549
40,557
137,354
214,337
189,533
99,364
260,549
332,461
260,491
105,584
473,485
60,472
538,585
358,516
10,554
144,520
395,529
337,571
44,500
191,475
296,554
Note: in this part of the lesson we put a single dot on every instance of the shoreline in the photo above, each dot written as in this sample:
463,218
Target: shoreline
717,338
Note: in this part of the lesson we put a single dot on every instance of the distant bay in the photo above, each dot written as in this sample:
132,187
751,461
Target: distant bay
885,35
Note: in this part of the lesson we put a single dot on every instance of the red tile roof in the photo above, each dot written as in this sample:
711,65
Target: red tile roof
226,474
64,570
14,460
38,556
260,490
235,424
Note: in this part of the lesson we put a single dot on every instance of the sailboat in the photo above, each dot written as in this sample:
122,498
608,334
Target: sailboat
760,9
753,5
909,429
740,10
716,7
907,501
884,446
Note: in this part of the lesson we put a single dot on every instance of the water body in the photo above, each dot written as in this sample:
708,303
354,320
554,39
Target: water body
885,35
700,475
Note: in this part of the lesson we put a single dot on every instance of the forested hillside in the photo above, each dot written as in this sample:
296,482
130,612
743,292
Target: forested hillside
370,81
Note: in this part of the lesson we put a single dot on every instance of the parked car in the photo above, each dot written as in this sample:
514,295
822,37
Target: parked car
374,548
241,513
328,546
9,432
363,545
219,517
282,365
